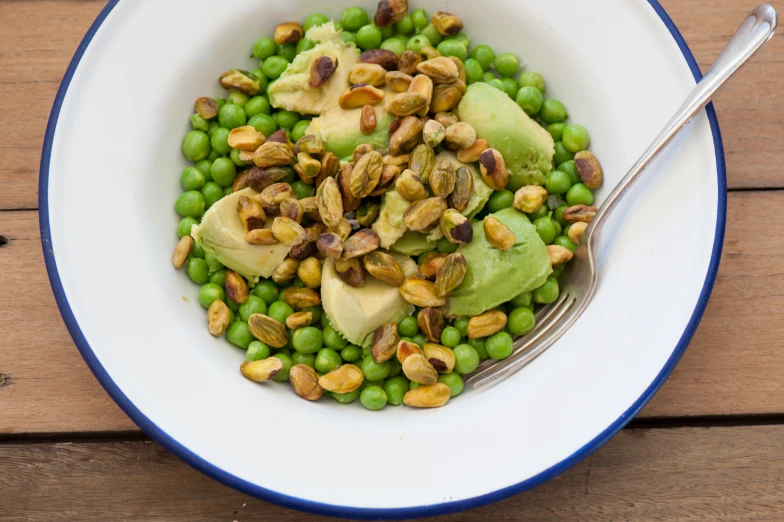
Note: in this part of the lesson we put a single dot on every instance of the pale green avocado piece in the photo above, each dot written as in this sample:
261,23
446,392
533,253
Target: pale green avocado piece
292,91
495,276
479,197
412,244
527,148
357,312
339,130
390,225
222,234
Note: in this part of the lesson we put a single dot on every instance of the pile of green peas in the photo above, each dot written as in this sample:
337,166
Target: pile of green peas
214,170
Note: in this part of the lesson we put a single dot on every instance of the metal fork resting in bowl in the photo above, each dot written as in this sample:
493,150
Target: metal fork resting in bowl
580,277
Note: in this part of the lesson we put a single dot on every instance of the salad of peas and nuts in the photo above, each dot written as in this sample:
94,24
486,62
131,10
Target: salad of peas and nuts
379,206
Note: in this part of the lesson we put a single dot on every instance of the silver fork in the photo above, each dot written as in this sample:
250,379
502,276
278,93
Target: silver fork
580,277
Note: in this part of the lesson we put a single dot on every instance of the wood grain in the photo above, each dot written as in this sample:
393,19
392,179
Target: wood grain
639,475
39,38
732,367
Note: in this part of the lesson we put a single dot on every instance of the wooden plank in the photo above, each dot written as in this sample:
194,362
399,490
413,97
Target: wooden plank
733,365
639,475
37,49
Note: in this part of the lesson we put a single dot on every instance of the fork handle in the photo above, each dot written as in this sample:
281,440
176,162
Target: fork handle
755,31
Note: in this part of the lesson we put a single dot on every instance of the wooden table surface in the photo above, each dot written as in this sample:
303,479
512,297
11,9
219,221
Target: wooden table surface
710,445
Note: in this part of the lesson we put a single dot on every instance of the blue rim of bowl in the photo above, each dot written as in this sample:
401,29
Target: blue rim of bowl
346,511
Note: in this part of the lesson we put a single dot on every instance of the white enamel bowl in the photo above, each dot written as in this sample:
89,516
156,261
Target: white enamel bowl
110,175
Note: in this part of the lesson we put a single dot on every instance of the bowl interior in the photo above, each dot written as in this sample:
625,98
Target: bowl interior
111,188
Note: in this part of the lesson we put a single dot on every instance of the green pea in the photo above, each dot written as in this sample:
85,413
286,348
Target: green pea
228,191
280,311
307,340
264,48
369,37
354,18
308,359
530,100
558,215
546,228
185,226
565,242
192,179
579,194
558,182
454,382
239,334
405,25
286,119
395,368
346,398
558,270
234,156
237,98
562,154
420,19
539,213
484,55
283,374
190,204
417,42
575,138
210,293
286,51
396,388
196,145
532,79
499,345
548,292
349,37
351,353
220,101
395,45
197,251
374,371
232,116
523,299
257,105
497,83
462,38
325,322
499,200
387,32
218,277
510,87
212,263
461,325
299,130
223,171
571,169
413,385
199,123
489,77
552,111
254,305
204,168
479,346
274,66
373,398
257,351
267,290
220,142
444,246
333,339
327,360
263,123
314,20
214,155
521,321
419,340
212,193
408,327
432,34
305,44
302,190
473,70
466,358
450,337
453,48
556,130
507,64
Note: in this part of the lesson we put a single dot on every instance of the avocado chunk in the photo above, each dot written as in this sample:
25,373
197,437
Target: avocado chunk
390,225
495,276
357,312
412,244
222,234
527,148
339,130
292,91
